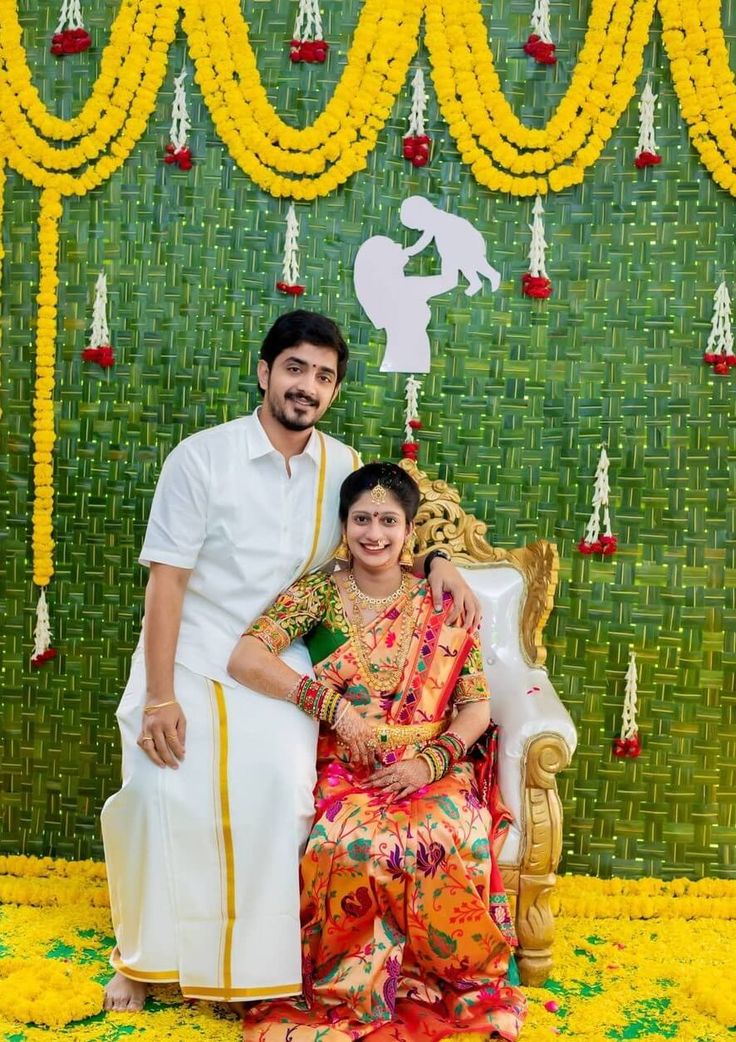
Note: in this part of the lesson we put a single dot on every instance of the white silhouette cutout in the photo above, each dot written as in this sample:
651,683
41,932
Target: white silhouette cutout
459,244
398,303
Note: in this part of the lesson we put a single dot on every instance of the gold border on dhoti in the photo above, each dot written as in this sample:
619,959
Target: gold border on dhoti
226,836
226,994
222,994
152,976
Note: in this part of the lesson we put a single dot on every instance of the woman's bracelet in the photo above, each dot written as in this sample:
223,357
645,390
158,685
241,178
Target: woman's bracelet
437,760
159,705
431,556
454,744
342,710
315,699
441,754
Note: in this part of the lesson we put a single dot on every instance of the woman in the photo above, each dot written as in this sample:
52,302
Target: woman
405,928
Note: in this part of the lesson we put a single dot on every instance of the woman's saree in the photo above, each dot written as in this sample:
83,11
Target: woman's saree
406,930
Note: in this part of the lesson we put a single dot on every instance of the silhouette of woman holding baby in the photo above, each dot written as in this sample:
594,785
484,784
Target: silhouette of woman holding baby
398,302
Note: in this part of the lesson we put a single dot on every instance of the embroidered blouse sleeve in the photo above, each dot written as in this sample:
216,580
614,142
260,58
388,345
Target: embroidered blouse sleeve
472,685
297,611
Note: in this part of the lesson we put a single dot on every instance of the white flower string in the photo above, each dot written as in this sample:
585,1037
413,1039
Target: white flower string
416,144
418,104
719,349
42,650
538,245
289,282
539,45
536,282
180,121
628,717
595,540
307,43
308,24
177,150
646,148
540,21
628,743
70,16
99,349
70,36
412,423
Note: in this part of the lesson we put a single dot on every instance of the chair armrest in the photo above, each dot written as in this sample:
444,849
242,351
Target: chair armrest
525,706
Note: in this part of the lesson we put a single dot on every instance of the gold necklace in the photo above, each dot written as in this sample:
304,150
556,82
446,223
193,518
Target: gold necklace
375,603
381,679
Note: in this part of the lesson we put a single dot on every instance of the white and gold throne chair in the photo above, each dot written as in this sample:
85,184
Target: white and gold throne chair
536,737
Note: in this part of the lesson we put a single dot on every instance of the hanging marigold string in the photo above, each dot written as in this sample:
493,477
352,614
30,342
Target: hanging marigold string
44,434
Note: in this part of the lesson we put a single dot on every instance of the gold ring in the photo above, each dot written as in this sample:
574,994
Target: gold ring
171,734
146,740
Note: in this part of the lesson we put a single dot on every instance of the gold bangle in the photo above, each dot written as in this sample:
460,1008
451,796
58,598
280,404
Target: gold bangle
159,705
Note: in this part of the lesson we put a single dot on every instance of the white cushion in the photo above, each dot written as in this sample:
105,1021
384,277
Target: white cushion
524,703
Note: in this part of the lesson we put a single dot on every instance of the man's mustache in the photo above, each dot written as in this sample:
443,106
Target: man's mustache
293,396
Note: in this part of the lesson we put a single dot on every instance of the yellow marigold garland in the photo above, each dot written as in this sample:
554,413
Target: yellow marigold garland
129,51
696,46
336,146
304,163
125,121
19,74
43,394
488,134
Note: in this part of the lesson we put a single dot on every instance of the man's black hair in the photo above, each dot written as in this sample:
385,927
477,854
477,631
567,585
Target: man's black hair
297,327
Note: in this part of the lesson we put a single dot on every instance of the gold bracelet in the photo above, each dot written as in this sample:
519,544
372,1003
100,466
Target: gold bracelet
159,705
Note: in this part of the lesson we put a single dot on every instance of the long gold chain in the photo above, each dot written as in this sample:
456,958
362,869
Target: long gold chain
382,679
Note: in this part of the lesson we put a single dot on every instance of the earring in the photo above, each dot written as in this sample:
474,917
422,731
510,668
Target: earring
342,553
407,554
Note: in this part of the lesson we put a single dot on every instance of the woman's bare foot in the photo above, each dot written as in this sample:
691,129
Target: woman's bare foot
124,995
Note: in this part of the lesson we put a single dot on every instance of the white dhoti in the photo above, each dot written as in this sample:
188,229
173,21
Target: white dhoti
203,861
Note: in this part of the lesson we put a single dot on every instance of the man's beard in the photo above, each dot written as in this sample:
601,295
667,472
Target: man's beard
279,413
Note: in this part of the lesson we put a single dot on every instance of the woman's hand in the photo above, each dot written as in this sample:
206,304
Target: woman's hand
358,735
445,578
403,778
163,735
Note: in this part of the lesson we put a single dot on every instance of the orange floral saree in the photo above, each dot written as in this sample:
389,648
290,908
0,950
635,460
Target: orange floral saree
406,930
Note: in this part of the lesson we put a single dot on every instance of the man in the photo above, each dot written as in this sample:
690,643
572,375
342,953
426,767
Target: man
203,840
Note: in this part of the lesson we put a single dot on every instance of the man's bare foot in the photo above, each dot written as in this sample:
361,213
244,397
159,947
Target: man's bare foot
124,995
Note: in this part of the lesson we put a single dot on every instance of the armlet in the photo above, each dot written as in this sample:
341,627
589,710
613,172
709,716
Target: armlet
269,633
473,687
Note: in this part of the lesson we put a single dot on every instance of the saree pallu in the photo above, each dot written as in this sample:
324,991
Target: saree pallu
191,900
405,928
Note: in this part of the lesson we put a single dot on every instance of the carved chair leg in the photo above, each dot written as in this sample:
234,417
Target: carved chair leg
545,756
535,928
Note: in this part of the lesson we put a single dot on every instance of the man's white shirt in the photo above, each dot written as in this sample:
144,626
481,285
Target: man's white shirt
226,508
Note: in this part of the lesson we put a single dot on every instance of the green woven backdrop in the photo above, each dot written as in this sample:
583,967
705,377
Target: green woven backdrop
519,398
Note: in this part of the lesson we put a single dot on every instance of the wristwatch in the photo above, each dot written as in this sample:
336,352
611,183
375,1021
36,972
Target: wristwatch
431,556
